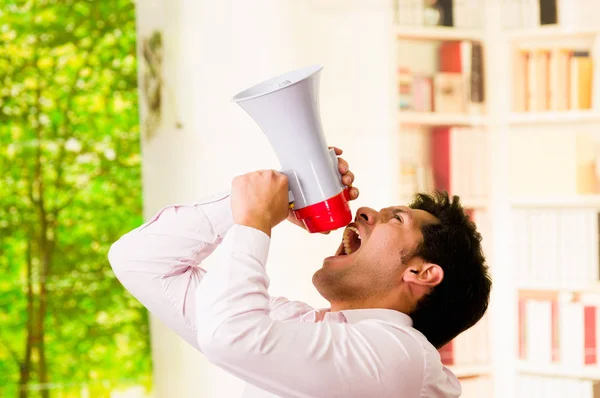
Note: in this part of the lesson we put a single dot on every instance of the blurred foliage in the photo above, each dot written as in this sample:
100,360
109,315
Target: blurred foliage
69,187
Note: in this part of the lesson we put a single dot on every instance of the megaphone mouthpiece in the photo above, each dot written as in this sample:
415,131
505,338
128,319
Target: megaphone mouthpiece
273,84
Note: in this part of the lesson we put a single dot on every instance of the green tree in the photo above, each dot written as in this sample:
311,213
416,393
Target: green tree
69,187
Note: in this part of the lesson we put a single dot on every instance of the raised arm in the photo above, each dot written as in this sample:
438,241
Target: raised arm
159,263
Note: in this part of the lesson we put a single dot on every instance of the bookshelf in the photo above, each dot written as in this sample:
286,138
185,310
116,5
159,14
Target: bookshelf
437,33
550,117
550,33
532,287
583,372
441,119
540,114
466,371
552,103
552,201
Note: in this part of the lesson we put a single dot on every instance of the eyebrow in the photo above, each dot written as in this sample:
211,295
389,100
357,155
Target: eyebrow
398,210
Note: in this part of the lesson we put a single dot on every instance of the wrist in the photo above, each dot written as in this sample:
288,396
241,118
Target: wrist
256,223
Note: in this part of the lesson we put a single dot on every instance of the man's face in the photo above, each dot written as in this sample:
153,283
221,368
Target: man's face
368,262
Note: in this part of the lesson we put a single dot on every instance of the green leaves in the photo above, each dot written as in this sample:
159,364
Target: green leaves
70,186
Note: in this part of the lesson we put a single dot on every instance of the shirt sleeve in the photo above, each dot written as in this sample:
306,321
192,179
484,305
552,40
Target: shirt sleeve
296,359
159,262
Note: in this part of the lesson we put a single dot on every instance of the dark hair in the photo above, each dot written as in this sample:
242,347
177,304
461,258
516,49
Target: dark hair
462,298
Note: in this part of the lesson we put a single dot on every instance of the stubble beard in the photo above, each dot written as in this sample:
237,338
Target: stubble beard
354,285
337,285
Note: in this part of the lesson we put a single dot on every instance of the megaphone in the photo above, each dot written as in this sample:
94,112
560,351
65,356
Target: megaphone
286,108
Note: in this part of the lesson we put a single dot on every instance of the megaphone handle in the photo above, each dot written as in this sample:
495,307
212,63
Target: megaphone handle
293,178
334,162
291,174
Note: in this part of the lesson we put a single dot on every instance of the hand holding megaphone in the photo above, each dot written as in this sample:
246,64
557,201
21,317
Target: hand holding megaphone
260,199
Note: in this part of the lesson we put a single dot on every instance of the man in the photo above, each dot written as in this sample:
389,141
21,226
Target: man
404,281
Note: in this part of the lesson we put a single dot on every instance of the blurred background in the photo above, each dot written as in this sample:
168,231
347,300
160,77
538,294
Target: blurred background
111,110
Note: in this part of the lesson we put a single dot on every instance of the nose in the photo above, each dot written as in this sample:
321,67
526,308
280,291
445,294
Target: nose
367,214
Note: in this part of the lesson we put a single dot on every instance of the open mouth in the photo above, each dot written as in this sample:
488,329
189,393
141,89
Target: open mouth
351,242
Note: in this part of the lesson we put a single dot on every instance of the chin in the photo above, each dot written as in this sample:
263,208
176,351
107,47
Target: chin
322,281
336,285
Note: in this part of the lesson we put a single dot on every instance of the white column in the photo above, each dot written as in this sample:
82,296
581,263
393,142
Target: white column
212,49
503,318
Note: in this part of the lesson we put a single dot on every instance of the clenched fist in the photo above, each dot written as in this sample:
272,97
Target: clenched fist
260,199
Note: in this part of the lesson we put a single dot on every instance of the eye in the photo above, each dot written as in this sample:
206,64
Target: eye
397,217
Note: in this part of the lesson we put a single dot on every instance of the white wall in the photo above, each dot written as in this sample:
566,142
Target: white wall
214,49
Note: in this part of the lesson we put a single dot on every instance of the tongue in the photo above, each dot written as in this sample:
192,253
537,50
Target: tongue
355,245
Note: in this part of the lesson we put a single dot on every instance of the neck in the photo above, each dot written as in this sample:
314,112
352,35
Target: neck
354,305
336,307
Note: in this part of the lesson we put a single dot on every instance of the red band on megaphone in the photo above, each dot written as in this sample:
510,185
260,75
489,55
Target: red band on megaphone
327,215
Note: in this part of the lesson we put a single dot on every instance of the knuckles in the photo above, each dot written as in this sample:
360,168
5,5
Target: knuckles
260,176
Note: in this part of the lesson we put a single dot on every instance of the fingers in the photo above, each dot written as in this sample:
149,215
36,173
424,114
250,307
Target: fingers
347,175
337,150
348,178
342,166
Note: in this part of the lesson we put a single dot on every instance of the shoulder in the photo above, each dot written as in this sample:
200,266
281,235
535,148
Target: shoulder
438,380
412,354
282,309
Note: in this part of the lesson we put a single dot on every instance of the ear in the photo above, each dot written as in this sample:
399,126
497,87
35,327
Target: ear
425,275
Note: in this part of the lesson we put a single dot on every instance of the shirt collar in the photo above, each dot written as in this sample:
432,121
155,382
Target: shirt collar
393,316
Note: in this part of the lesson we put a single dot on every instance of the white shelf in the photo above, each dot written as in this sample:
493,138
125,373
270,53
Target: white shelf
577,201
462,371
550,33
577,116
438,33
558,370
441,119
549,286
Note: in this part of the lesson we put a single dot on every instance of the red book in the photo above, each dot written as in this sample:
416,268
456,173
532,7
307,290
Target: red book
447,354
440,158
449,57
522,328
589,337
555,335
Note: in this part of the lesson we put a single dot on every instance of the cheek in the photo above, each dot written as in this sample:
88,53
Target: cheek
383,250
385,242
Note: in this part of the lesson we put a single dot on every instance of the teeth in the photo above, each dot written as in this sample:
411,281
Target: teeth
356,231
346,239
347,248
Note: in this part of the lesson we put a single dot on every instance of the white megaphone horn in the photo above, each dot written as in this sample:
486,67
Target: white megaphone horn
286,108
